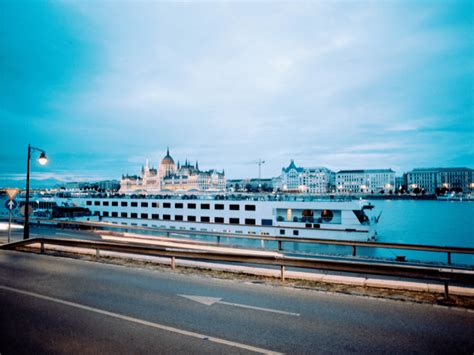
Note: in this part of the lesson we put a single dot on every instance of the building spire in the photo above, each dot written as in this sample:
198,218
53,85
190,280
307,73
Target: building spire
168,151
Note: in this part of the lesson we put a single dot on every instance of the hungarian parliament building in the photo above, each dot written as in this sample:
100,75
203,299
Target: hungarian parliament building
170,177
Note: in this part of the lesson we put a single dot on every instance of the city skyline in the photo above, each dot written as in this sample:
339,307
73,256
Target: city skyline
102,86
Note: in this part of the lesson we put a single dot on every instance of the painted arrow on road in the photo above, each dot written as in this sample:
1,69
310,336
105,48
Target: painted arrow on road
209,301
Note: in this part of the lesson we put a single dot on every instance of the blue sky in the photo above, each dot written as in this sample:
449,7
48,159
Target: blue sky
103,85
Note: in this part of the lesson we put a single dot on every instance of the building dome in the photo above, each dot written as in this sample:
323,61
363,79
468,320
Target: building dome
167,166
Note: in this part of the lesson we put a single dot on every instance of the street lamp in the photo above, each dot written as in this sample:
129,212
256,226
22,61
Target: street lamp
42,160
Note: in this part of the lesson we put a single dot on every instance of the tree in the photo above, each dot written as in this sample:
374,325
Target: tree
416,190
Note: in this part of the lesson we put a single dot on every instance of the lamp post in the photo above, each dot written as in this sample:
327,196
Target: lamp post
42,160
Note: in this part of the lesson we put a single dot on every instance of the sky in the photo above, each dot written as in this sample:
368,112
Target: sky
103,85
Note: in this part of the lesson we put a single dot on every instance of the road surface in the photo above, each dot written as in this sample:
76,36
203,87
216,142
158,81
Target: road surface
58,305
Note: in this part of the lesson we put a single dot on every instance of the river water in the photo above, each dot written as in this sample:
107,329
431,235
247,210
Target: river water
440,223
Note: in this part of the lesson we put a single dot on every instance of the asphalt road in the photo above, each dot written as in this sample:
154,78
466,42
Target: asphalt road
59,305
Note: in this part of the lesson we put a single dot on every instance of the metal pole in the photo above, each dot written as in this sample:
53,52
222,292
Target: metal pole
9,225
449,258
446,290
353,250
26,227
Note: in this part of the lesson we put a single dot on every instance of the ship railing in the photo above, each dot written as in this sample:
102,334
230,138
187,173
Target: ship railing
419,272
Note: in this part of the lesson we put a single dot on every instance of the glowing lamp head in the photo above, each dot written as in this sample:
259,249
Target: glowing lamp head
42,159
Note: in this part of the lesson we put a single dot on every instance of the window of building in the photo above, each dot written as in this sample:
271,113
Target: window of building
134,204
219,206
155,216
144,204
205,206
123,204
155,204
250,221
267,222
191,218
282,231
114,214
166,205
234,207
144,216
192,206
178,217
96,203
219,219
166,217
89,203
105,214
178,205
295,232
105,203
114,203
205,219
250,207
123,215
133,215
234,221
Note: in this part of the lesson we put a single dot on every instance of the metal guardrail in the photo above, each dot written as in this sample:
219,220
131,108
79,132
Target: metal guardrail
445,275
449,250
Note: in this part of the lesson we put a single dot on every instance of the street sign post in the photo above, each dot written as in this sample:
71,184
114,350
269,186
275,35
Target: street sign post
10,205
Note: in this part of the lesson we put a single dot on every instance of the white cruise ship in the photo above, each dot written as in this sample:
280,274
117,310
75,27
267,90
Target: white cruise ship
276,215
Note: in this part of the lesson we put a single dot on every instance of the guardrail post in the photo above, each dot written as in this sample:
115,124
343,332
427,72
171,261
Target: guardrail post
173,262
42,248
218,239
97,253
282,273
449,258
168,234
353,250
446,289
280,245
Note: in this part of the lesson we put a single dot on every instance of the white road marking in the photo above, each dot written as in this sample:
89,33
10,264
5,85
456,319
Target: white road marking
209,301
142,322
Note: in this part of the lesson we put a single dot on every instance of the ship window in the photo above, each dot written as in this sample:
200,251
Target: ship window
166,205
105,214
192,206
144,215
250,221
178,217
105,203
219,220
234,220
327,216
155,204
144,204
250,207
133,215
295,232
267,222
155,216
134,204
219,206
166,217
205,206
178,205
114,203
191,218
308,225
96,203
282,231
89,203
123,214
123,204
205,219
114,214
234,207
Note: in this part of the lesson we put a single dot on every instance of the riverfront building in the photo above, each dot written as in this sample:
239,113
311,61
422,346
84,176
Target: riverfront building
171,177
430,179
316,180
365,181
